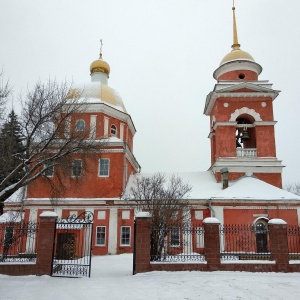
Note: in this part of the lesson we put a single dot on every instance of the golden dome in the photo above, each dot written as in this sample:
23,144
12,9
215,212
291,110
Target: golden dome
100,65
95,92
237,54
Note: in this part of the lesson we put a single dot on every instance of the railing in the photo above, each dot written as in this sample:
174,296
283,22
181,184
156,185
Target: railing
246,152
244,242
177,244
17,241
293,233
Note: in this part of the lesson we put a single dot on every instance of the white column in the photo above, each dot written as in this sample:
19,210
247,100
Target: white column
122,131
113,231
93,121
106,122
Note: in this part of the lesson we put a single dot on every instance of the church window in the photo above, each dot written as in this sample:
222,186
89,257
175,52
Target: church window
80,125
104,167
174,234
49,169
125,236
113,130
100,235
77,168
241,76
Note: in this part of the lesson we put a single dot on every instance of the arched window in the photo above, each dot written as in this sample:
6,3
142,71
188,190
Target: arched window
245,132
261,234
113,130
80,125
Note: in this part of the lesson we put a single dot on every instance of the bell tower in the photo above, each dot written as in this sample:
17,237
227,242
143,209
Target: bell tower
242,123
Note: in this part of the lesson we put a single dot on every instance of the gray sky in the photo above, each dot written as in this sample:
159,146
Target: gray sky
162,55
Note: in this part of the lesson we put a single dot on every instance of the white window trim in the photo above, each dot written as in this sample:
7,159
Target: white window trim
100,245
99,167
125,245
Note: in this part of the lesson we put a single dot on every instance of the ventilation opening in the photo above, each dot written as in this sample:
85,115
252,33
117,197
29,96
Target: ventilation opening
241,76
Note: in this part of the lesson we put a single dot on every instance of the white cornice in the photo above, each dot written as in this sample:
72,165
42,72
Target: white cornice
252,165
237,65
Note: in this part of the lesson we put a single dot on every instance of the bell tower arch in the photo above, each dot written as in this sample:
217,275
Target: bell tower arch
240,107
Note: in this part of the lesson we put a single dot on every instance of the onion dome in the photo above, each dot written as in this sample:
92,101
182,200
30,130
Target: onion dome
100,65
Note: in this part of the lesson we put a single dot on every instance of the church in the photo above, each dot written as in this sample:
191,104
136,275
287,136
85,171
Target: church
242,186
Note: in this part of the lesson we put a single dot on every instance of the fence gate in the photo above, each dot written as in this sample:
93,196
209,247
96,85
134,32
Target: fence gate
73,246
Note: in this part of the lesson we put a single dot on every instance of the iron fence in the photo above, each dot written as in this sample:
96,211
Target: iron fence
293,233
18,241
177,244
245,242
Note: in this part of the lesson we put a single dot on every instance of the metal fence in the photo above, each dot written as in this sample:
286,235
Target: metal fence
245,242
177,244
18,241
293,233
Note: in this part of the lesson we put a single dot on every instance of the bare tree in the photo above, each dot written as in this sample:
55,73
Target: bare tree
48,137
293,188
5,91
166,199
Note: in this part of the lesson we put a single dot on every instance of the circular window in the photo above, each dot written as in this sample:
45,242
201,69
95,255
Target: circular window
241,76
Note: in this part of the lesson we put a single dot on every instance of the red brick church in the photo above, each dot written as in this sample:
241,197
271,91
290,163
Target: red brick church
242,186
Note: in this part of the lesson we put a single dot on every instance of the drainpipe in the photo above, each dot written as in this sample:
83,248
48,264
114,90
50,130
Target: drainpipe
124,166
212,212
224,173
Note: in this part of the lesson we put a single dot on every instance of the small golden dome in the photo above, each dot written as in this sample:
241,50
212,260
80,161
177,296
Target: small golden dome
237,54
100,65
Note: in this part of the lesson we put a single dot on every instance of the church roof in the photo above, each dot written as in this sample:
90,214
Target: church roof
97,92
251,188
205,186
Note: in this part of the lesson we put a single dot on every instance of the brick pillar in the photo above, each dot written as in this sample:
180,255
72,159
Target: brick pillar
142,243
279,244
45,242
212,243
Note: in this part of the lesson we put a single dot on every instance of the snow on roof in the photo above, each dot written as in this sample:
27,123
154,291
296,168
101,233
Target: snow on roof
205,186
254,189
10,216
17,196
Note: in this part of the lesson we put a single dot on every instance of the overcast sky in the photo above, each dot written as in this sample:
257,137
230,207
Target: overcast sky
162,55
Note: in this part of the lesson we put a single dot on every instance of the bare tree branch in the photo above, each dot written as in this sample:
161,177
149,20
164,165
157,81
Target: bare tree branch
48,139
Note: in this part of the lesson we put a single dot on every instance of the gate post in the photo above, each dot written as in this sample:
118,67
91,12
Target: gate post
212,243
279,244
142,243
45,242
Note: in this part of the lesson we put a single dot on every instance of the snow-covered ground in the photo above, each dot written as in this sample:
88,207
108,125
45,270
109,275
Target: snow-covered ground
112,279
